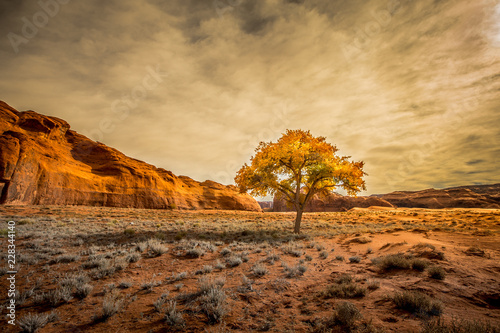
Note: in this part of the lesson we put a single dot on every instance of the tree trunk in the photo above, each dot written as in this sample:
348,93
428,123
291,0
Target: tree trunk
298,218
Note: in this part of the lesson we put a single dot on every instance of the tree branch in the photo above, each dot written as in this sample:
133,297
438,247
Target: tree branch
285,190
289,166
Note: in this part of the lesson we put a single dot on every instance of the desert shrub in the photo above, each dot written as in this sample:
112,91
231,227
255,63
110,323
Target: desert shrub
90,250
393,261
220,266
279,284
158,304
418,303
33,322
120,263
346,314
424,245
319,247
344,287
323,254
82,291
343,319
95,262
259,270
173,317
459,326
373,284
339,258
178,277
234,261
195,252
21,297
308,258
180,235
244,256
26,221
419,264
74,280
437,272
110,306
350,290
295,271
213,304
133,257
355,259
107,269
62,294
129,232
344,278
205,284
204,270
246,284
272,258
225,251
149,286
29,259
207,246
141,246
52,317
292,249
64,259
156,248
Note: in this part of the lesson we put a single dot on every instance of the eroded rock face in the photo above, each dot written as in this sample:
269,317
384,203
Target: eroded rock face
42,161
332,203
479,196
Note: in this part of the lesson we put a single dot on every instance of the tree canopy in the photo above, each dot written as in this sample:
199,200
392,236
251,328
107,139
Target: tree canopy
298,166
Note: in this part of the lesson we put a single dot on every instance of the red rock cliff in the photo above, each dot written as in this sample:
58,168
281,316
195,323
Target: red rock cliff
42,161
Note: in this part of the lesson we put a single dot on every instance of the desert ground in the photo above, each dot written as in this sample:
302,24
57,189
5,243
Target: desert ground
93,269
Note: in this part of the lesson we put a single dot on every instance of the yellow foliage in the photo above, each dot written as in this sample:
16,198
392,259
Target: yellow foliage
299,165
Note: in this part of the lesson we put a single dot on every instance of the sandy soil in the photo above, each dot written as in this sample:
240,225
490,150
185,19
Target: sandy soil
73,261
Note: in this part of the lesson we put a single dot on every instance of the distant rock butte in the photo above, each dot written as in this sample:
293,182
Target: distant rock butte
332,203
265,204
475,196
42,161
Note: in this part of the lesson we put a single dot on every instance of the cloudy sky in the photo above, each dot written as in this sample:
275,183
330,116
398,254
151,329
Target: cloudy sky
410,87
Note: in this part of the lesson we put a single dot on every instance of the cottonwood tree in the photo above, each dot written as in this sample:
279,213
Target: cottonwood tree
298,166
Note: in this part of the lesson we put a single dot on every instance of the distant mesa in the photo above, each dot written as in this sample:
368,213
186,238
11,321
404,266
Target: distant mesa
266,205
474,196
43,162
332,202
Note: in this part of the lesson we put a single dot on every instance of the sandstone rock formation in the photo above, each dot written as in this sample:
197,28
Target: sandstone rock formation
476,196
479,196
266,205
42,161
332,203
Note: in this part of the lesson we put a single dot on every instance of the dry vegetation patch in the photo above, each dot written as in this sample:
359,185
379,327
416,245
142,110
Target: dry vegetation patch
105,269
